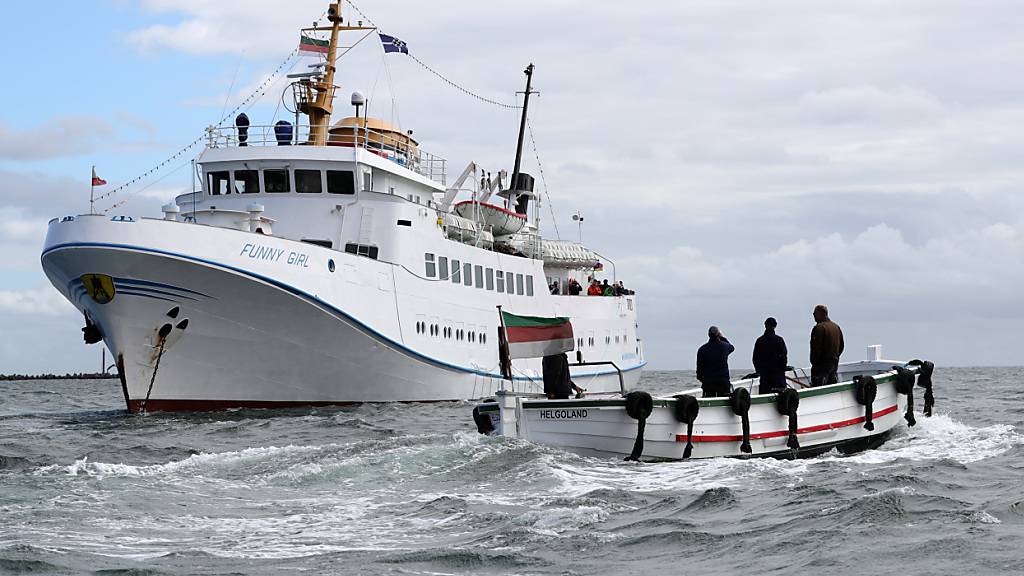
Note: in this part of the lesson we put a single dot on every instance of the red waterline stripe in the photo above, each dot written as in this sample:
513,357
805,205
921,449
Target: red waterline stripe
781,433
539,334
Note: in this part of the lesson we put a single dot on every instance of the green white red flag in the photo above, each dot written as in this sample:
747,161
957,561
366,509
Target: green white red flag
313,46
536,337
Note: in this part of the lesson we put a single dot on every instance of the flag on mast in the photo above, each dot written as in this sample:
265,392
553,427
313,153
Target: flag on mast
536,336
96,180
313,46
392,44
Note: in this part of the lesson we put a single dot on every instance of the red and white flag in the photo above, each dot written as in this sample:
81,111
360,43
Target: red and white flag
96,180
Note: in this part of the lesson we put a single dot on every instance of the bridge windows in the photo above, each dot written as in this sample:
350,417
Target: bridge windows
276,181
499,280
529,285
519,284
247,181
490,278
442,268
456,272
479,276
217,183
341,182
308,182
510,282
467,274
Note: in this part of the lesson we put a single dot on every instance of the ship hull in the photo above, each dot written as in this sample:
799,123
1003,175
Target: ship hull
229,330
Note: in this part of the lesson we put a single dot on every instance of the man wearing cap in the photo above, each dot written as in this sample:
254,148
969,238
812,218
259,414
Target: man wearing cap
713,364
826,347
770,359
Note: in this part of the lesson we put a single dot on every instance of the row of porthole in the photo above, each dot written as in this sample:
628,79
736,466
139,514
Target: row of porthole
590,341
460,334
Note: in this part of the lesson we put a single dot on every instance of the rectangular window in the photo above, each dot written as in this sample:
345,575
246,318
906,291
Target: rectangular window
217,183
510,283
308,182
247,182
529,285
490,278
442,267
499,279
467,274
479,275
341,182
276,181
431,267
456,272
519,284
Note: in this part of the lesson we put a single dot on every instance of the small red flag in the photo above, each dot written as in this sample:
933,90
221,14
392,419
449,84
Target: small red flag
96,180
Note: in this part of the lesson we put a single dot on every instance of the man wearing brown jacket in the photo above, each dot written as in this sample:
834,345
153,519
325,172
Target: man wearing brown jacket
826,347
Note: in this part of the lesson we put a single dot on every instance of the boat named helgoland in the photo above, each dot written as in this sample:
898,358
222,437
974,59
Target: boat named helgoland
871,399
326,263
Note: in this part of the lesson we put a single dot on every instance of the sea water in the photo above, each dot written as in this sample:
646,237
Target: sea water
413,489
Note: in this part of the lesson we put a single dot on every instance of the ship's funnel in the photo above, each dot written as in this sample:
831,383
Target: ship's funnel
522,187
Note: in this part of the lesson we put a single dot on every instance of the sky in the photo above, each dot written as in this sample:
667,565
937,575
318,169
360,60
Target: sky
732,159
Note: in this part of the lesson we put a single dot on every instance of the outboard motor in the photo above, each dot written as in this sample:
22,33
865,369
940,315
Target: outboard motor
242,125
283,132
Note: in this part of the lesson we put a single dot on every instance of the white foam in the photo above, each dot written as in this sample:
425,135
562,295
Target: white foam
984,517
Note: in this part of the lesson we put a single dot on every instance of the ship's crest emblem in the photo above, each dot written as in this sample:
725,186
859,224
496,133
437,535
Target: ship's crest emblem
99,287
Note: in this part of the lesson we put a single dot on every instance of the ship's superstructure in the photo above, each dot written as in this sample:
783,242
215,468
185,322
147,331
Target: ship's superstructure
327,263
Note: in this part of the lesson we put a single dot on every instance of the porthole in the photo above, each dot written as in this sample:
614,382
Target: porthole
330,264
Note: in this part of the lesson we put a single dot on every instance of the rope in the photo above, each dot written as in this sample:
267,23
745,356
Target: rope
256,94
440,76
543,180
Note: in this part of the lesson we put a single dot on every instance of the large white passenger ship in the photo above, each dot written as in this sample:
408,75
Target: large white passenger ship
326,263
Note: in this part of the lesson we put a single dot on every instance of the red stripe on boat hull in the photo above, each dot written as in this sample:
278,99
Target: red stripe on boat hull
782,433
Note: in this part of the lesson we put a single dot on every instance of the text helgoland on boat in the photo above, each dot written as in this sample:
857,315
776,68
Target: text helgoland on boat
326,263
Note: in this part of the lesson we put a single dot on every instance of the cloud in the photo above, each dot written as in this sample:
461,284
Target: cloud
61,136
44,300
253,28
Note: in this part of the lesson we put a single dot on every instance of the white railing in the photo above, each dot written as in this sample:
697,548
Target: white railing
389,145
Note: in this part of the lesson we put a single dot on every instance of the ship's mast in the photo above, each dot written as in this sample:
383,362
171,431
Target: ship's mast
318,100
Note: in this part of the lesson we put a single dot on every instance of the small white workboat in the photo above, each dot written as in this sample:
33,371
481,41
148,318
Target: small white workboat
871,399
501,222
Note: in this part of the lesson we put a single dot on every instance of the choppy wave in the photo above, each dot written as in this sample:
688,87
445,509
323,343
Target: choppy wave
414,489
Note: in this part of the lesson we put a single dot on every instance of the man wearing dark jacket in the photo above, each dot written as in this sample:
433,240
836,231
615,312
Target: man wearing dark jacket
770,359
826,347
557,385
713,364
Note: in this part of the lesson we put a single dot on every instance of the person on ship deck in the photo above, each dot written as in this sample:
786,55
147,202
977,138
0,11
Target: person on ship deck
595,289
826,348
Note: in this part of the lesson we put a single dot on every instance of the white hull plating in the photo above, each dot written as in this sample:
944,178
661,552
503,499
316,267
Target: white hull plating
274,322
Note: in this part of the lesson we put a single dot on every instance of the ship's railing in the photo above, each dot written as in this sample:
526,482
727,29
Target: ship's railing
390,145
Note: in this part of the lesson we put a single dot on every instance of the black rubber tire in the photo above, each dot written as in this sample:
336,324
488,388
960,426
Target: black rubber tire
639,405
686,408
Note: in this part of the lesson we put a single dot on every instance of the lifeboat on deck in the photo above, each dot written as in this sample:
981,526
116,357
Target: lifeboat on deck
502,222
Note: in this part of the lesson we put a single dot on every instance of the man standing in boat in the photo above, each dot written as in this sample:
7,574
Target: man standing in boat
826,347
713,364
770,359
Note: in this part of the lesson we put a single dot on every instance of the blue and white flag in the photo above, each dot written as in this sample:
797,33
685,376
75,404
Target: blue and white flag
392,44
